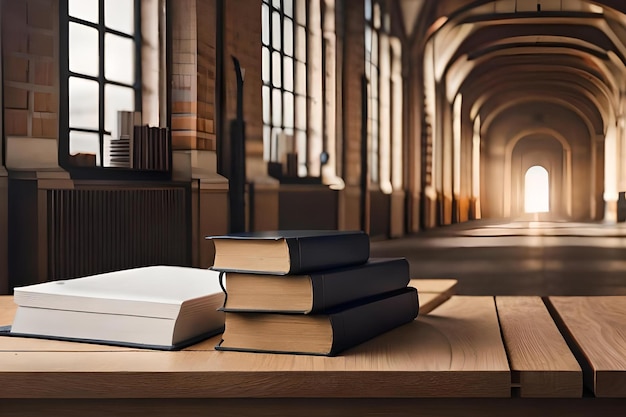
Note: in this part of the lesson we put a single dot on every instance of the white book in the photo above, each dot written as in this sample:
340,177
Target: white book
159,306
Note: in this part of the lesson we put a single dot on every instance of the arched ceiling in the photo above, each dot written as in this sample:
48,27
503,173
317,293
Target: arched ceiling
498,54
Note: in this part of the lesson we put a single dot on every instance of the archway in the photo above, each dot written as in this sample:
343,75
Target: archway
536,190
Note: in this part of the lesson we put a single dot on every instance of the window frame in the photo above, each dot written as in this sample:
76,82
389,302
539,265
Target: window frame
271,125
372,75
100,171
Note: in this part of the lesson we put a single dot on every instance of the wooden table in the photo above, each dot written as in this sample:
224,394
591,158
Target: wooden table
468,356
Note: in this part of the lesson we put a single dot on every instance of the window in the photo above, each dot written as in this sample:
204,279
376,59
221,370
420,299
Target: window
384,95
372,32
101,75
101,46
284,49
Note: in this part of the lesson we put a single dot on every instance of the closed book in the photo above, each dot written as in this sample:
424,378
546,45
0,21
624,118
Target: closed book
316,291
320,334
289,251
159,307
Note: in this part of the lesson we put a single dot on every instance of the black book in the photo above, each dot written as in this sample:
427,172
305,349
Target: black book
289,251
316,291
319,334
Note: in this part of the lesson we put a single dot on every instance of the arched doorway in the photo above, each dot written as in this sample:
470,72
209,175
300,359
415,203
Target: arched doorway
537,190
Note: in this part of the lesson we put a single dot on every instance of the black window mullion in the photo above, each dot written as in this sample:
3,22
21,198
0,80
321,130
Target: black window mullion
64,58
85,130
72,19
101,78
281,13
96,25
97,79
138,43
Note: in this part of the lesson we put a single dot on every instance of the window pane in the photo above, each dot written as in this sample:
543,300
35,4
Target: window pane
83,49
83,103
376,16
116,99
301,12
288,7
266,65
300,113
288,73
267,131
368,9
120,15
374,81
83,9
276,69
301,149
300,78
276,3
289,110
277,108
266,105
265,24
301,44
375,48
84,142
119,59
288,34
276,27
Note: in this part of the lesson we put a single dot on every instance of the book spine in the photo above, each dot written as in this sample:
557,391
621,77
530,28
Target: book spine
324,252
337,287
358,324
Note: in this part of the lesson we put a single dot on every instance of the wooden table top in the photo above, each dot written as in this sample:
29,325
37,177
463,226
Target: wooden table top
486,356
467,347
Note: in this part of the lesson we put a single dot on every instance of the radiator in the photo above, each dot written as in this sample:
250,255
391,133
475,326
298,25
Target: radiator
99,230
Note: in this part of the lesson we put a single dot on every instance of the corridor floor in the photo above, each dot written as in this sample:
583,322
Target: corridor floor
518,257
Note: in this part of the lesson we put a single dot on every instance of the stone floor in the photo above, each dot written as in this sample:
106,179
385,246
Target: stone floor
518,257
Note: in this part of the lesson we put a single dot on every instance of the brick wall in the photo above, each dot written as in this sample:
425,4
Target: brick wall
193,74
206,67
29,39
184,75
353,70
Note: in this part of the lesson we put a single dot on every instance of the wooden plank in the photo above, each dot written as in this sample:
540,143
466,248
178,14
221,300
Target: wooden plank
433,292
542,364
455,352
430,300
7,309
596,328
434,285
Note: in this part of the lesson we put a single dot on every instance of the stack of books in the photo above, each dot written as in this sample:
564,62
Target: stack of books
139,147
308,292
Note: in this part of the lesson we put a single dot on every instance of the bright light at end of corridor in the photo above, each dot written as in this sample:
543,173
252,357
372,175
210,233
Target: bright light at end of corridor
536,190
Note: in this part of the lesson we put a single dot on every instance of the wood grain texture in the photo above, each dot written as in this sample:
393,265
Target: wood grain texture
454,352
433,292
434,285
541,362
597,328
7,309
430,300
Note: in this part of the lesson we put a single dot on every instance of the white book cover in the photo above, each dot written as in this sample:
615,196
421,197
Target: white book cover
157,306
152,291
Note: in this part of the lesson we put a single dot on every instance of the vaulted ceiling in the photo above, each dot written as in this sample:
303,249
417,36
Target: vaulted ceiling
539,68
499,53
